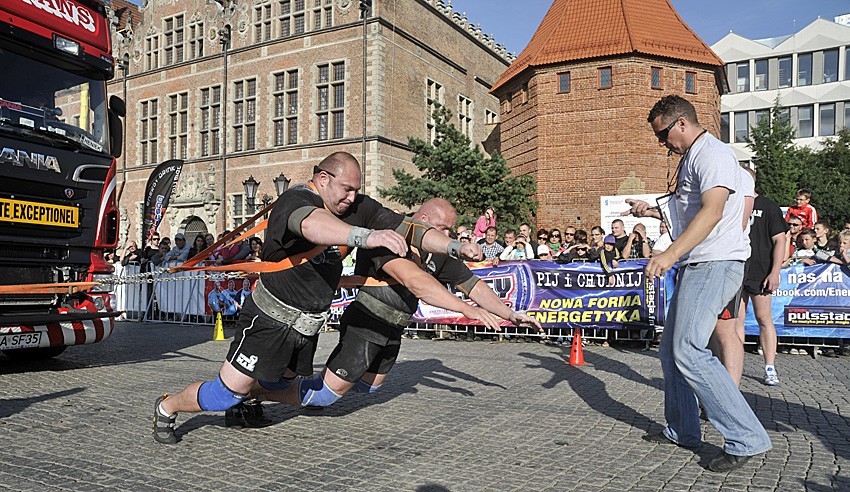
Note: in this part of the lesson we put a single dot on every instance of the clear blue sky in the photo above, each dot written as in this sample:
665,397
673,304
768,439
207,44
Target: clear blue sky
513,22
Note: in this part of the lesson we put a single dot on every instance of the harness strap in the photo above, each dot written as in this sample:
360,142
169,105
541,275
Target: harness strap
61,288
201,256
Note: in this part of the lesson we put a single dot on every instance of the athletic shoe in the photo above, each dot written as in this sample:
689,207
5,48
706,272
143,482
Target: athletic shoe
725,462
770,378
795,351
246,415
661,438
163,426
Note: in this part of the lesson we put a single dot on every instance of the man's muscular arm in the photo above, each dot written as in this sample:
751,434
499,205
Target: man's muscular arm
484,296
323,228
429,290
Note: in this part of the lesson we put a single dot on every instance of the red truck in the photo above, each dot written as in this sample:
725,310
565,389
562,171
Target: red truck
59,137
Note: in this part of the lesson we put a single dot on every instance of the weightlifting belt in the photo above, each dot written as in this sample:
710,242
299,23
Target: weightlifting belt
382,310
307,324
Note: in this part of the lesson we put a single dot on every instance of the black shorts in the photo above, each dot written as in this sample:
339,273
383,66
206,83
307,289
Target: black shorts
264,348
731,309
755,287
359,350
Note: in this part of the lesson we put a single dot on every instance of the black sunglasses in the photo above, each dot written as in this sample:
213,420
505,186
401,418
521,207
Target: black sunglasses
317,170
663,134
792,224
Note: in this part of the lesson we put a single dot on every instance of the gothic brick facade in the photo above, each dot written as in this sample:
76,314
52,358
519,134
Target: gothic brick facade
408,44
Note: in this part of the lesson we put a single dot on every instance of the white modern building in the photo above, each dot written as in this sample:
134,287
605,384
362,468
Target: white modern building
809,71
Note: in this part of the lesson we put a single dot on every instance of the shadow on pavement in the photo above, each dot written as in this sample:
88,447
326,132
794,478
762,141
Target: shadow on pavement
404,378
591,389
15,405
776,414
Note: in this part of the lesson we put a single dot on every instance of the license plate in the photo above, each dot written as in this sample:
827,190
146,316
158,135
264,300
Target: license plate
20,340
24,212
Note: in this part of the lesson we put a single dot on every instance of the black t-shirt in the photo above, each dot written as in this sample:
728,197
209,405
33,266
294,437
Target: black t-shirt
310,287
766,221
620,244
444,268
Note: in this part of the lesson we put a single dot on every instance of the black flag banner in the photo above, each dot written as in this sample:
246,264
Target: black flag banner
161,185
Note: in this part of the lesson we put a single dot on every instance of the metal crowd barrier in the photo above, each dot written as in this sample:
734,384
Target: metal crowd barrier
169,298
180,299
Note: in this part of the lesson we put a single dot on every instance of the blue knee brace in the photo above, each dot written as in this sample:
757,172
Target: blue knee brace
215,396
363,387
282,384
314,393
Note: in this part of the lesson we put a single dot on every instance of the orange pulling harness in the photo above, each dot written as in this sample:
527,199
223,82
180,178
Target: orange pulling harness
237,235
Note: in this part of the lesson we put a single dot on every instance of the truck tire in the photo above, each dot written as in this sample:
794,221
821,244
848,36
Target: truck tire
34,353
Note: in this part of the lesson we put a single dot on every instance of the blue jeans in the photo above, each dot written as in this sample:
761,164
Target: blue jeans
692,373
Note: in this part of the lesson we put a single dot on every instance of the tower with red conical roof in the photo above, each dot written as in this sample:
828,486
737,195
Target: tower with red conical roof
574,102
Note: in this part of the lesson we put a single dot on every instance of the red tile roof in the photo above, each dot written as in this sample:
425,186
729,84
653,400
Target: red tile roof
584,29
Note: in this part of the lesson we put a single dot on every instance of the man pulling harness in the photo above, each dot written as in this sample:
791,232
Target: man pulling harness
270,348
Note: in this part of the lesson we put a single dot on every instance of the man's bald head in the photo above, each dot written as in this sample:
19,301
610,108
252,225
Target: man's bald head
337,163
337,180
438,213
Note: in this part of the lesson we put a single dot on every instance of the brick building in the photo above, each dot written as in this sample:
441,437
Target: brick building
293,93
574,102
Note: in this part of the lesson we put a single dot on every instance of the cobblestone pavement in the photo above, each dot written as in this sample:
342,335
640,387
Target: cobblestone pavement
453,416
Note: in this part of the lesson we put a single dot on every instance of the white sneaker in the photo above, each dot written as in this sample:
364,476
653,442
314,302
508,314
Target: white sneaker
770,378
760,351
795,351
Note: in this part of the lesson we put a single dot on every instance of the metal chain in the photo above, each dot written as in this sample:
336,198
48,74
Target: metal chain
157,276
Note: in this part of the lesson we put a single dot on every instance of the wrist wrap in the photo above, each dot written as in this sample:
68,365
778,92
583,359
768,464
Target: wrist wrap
453,249
357,237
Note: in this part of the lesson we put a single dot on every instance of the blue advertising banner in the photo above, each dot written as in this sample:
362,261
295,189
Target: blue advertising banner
812,301
573,295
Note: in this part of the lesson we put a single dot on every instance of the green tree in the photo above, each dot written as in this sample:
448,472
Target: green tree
776,159
452,169
826,173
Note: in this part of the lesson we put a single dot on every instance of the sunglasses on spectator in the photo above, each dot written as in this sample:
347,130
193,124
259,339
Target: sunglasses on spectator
555,235
541,237
569,234
795,224
663,134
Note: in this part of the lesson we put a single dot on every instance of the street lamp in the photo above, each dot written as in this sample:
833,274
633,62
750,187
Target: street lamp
281,184
251,186
124,65
365,11
224,38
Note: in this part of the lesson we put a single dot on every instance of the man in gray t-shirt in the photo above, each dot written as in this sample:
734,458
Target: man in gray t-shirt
710,246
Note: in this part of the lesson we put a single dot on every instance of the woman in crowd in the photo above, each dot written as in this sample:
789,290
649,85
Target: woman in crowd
256,249
597,237
554,242
485,221
199,245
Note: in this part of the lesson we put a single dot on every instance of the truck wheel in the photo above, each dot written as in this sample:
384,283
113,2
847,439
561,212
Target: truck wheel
34,353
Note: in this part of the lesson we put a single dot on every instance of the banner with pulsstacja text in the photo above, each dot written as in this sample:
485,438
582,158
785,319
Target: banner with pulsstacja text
811,301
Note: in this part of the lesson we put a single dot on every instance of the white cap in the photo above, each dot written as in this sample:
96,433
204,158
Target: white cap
543,250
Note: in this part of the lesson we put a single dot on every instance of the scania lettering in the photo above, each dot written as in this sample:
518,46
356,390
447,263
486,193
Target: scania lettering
60,134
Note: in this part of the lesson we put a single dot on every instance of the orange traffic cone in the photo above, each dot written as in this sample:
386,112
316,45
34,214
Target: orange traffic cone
576,352
218,331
